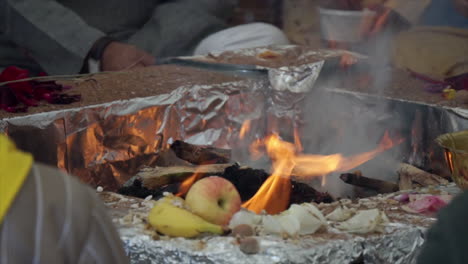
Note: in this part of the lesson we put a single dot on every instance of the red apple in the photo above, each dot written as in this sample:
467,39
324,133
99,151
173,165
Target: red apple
213,198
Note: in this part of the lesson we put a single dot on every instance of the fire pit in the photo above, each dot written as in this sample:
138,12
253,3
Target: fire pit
107,144
400,241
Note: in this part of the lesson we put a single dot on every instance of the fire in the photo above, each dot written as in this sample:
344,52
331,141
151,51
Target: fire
297,140
187,183
273,195
244,129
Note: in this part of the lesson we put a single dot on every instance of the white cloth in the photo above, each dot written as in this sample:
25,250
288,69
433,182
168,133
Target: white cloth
233,38
240,37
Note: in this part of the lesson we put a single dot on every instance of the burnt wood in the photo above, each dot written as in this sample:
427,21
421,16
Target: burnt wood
155,181
200,155
411,175
380,186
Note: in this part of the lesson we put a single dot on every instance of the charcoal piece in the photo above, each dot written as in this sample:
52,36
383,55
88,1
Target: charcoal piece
380,186
138,190
303,193
246,180
200,155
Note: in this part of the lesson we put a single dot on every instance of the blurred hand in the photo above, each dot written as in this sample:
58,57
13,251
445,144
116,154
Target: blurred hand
461,6
120,56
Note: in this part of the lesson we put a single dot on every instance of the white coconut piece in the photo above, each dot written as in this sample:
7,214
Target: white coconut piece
340,214
290,223
272,225
245,217
314,211
365,221
308,222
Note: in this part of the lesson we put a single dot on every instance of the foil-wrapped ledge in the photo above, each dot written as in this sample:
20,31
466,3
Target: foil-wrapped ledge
400,242
402,246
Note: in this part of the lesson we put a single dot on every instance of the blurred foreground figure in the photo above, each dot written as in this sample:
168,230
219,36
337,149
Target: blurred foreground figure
447,240
62,36
49,217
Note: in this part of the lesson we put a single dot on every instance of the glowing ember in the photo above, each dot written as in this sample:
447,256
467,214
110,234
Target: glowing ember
273,195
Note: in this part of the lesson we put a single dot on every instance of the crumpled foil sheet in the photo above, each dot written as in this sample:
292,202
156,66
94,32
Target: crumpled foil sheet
421,124
106,144
400,247
401,242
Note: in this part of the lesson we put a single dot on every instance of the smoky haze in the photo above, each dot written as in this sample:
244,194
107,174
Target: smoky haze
349,123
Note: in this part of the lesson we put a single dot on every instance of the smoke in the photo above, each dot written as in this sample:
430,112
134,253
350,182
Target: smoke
334,120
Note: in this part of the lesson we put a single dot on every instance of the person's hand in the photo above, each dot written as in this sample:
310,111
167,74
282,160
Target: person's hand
120,56
461,6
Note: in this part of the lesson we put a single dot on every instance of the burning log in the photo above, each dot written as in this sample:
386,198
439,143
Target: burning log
410,175
155,181
168,158
200,154
157,177
380,186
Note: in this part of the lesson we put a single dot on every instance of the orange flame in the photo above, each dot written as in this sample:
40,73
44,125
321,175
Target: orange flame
244,129
297,140
273,195
187,183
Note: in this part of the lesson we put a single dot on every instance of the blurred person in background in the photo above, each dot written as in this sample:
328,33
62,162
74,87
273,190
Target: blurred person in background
449,13
447,240
69,36
48,217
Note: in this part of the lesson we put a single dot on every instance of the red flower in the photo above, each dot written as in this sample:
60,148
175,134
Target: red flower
18,96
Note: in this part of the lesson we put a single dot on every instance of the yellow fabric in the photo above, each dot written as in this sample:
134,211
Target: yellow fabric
14,167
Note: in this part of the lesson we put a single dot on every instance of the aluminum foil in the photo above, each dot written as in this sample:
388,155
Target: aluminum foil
400,247
296,79
400,243
420,123
107,144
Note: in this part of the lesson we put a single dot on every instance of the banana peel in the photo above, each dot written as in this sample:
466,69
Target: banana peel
174,221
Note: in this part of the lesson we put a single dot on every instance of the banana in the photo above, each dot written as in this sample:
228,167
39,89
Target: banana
173,221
